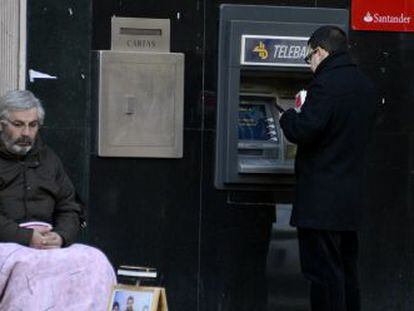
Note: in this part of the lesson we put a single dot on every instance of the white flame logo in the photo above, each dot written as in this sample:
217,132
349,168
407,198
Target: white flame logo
368,18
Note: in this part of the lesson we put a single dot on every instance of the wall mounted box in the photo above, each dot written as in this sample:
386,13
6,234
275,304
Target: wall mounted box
140,104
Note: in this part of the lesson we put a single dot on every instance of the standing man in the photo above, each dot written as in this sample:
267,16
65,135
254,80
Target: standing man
332,131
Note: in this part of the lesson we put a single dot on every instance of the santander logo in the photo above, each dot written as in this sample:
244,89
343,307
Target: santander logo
368,18
386,19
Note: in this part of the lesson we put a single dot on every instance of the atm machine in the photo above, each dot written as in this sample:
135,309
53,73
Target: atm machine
261,68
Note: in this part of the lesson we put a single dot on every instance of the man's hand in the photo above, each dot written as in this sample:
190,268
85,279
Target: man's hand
46,240
37,239
51,240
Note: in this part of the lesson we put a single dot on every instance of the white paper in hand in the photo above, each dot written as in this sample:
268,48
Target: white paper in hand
300,99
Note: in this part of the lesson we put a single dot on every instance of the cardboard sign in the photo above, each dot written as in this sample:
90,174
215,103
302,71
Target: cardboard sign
383,15
142,298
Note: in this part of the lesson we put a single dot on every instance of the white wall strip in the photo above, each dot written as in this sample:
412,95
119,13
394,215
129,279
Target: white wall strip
12,45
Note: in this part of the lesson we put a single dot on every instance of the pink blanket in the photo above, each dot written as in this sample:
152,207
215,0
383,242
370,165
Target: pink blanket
75,278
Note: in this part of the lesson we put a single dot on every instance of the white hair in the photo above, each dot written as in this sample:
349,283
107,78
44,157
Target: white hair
20,100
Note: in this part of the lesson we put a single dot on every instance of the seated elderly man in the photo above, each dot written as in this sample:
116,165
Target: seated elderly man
39,220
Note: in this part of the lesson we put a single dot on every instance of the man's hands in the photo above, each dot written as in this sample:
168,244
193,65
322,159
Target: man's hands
52,240
43,239
37,239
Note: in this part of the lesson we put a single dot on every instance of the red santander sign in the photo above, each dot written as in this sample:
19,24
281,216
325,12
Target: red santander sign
383,15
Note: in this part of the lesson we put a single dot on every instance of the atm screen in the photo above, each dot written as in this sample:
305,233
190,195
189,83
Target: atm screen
252,122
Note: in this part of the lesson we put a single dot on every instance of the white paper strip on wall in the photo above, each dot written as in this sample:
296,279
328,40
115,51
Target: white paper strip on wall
33,74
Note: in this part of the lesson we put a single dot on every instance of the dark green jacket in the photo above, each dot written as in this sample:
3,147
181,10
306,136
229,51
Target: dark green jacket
36,188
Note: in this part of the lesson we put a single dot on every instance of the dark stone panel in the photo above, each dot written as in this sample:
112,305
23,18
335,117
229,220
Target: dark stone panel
268,2
383,56
102,11
288,289
72,148
408,272
386,240
375,47
386,243
65,107
210,63
411,154
338,4
395,103
389,151
234,245
234,248
58,44
192,91
145,212
59,35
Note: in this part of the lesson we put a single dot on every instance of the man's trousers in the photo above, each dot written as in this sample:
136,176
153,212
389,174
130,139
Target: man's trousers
329,262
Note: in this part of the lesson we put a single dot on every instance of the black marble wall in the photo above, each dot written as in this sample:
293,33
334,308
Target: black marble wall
166,213
58,44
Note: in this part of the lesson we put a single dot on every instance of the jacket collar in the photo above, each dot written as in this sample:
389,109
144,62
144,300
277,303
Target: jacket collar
339,59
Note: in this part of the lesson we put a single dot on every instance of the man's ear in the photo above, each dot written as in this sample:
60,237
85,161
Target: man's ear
2,124
324,53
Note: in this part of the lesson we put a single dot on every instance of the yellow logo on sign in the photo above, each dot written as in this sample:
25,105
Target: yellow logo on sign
261,49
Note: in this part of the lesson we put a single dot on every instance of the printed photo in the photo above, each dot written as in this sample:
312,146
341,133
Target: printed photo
131,298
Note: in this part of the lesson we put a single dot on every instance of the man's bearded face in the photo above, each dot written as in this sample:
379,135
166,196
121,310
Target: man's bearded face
19,130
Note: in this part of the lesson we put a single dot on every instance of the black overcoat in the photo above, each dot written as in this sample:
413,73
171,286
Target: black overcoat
332,132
